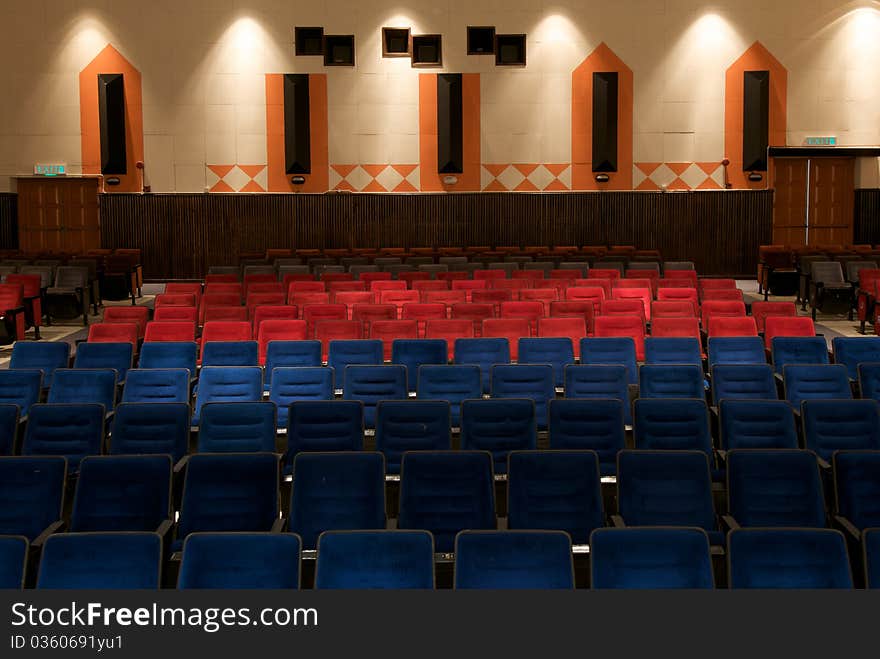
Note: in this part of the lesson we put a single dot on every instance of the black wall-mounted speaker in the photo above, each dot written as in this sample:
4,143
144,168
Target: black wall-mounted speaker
756,120
111,113
605,122
449,124
297,124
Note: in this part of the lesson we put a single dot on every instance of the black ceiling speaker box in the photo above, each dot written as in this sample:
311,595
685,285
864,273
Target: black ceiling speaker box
605,122
297,124
308,40
756,120
480,40
449,124
510,50
339,50
427,50
395,42
111,114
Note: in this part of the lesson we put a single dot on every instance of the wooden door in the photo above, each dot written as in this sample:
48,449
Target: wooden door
832,185
58,215
790,201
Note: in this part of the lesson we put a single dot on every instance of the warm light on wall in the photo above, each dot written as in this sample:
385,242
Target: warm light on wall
863,25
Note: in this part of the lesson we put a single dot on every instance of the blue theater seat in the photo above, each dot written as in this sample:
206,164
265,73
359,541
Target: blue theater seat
498,426
13,561
151,429
240,561
599,381
555,490
531,381
32,490
794,350
101,561
72,431
852,351
9,419
743,382
871,550
116,356
589,424
365,352
453,384
736,350
680,424
44,356
291,354
370,384
671,381
413,353
666,488
762,424
788,559
519,560
350,560
485,353
324,425
21,387
237,428
160,385
556,351
403,425
123,493
169,354
620,351
650,558
673,350
869,380
819,382
230,353
72,386
228,384
840,425
337,492
446,492
229,492
857,490
296,384
770,488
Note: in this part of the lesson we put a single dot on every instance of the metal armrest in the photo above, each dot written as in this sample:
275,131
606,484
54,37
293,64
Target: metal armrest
848,527
617,522
53,528
730,522
278,525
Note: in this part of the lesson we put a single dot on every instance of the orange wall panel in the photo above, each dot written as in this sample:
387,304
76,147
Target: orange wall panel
111,60
602,59
279,180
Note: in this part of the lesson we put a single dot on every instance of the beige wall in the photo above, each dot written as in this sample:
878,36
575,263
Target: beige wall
203,64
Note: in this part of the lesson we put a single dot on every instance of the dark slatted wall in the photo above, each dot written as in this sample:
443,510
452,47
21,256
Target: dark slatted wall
867,217
8,221
181,234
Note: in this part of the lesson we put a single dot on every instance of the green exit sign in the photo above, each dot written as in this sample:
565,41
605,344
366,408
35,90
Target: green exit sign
51,169
821,141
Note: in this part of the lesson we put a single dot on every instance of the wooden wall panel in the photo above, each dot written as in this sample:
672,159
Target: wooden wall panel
867,217
182,234
8,220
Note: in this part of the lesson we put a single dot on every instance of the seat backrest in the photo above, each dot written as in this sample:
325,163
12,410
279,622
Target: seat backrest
729,326
36,485
852,351
229,492
71,277
117,356
736,350
70,430
670,558
499,560
788,558
156,386
337,491
241,561
375,559
122,493
114,333
815,382
722,308
499,426
412,353
631,327
673,350
169,354
358,351
743,382
672,424
403,425
784,326
46,356
445,492
556,351
827,272
777,487
759,424
453,384
596,424
763,310
228,384
170,331
833,425
857,486
101,561
555,490
370,384
511,329
76,385
535,382
611,350
13,560
324,425
483,352
151,428
671,381
665,488
246,427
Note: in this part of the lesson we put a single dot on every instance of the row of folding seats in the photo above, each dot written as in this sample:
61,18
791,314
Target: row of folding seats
670,558
345,491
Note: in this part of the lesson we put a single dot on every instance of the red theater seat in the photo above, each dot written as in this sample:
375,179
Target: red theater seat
345,287
279,330
337,330
762,310
722,294
673,309
430,285
785,326
622,326
186,314
530,310
729,308
449,330
169,331
570,328
642,295
543,295
301,300
475,313
494,297
352,298
575,308
736,326
12,307
676,327
423,312
489,274
140,316
272,312
512,329
399,298
114,333
390,330
314,313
